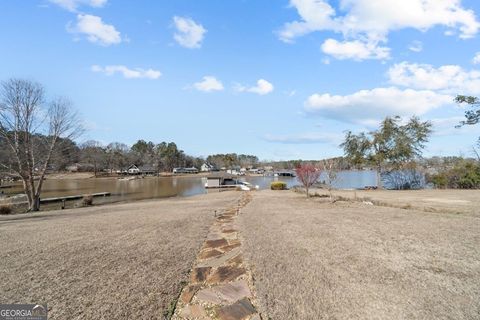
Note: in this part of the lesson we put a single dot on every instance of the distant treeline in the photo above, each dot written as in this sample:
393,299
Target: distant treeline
93,156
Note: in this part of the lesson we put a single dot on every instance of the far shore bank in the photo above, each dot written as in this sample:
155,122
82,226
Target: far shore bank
90,175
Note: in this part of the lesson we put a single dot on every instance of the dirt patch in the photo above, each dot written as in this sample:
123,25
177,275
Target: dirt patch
126,261
316,260
70,175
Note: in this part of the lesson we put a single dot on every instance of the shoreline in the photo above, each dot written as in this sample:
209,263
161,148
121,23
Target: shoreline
106,206
54,206
457,201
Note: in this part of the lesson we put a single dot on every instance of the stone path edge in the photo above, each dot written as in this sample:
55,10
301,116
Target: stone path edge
221,284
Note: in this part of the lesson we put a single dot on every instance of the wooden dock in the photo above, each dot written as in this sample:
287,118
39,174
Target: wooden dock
67,198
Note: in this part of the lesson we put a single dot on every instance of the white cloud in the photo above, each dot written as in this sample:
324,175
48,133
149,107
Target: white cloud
316,15
368,106
96,30
208,84
447,127
72,5
476,59
356,50
370,21
189,33
451,79
416,46
127,73
263,87
305,138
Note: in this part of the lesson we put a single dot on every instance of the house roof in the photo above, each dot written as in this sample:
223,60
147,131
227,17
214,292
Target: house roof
146,167
221,175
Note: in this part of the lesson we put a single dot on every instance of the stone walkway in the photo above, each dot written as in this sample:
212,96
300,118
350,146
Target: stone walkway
221,284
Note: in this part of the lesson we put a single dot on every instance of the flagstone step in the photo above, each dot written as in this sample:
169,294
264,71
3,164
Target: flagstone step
220,283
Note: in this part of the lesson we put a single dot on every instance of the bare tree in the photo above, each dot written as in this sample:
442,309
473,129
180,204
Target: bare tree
32,132
94,154
330,172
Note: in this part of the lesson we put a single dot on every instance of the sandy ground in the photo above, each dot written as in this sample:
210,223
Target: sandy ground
123,261
315,260
70,176
88,175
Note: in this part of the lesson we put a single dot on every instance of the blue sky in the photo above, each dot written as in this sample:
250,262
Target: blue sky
279,79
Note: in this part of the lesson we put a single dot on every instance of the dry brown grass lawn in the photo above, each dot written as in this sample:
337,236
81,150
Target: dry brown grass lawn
111,262
316,260
447,201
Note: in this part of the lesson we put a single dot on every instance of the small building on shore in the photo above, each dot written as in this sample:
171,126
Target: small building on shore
145,169
207,167
221,181
133,169
191,170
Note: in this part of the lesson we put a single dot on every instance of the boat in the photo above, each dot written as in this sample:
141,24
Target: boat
285,174
247,186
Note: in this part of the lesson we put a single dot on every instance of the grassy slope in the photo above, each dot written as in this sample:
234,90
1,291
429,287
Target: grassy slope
315,260
111,262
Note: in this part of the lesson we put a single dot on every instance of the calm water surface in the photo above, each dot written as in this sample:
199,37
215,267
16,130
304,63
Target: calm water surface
163,187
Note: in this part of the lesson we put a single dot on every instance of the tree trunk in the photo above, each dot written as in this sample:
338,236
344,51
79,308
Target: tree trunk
36,203
37,191
32,192
28,193
379,177
36,196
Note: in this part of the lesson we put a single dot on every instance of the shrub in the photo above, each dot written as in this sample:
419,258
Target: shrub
5,209
407,179
278,185
464,175
440,180
87,201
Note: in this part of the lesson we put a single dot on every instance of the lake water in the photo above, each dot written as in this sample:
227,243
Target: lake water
163,187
